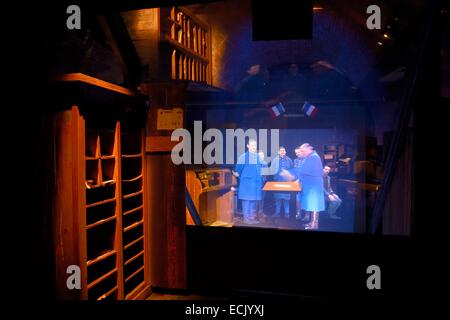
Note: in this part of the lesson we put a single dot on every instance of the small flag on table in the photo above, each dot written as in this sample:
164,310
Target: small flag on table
309,109
277,110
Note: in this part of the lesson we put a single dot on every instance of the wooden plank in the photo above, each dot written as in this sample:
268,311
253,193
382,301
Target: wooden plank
176,226
133,179
157,236
119,234
131,195
134,274
133,242
159,144
101,202
131,156
185,50
134,258
101,258
107,157
100,222
134,225
80,77
104,296
146,217
133,210
79,194
64,214
141,292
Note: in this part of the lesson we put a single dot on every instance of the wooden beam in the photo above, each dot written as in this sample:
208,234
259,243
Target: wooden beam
80,77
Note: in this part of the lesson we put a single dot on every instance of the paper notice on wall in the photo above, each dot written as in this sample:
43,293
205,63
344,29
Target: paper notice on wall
169,119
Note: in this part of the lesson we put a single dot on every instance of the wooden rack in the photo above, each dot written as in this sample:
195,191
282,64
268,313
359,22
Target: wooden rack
189,45
99,222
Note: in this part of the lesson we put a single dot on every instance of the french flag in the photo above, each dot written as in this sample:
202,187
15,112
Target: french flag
277,110
309,109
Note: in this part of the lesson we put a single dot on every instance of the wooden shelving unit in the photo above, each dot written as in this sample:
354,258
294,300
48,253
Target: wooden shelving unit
133,208
118,157
99,220
330,156
189,45
333,152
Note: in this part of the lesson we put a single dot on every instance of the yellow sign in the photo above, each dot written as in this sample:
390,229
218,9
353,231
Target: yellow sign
169,119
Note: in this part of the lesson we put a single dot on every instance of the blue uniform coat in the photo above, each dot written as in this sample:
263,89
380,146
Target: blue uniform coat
310,174
250,179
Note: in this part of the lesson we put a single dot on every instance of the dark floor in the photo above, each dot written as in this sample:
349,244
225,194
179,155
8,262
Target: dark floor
346,224
164,296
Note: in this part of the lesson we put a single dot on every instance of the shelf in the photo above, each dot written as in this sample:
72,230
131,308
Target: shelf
100,222
130,156
108,293
137,289
111,156
105,276
186,50
79,77
108,157
134,274
133,179
103,184
134,258
100,258
133,242
134,225
133,194
133,210
100,203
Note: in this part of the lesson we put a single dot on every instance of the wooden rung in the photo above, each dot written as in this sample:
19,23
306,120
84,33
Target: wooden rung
97,281
101,258
108,157
134,274
94,81
134,258
91,158
133,179
135,290
100,222
100,203
133,242
103,184
133,210
129,156
132,194
104,296
134,225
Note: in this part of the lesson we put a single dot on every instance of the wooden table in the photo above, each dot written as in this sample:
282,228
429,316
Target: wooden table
282,186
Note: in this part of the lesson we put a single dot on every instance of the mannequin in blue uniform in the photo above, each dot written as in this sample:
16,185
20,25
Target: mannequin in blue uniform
281,162
248,169
310,174
261,215
298,203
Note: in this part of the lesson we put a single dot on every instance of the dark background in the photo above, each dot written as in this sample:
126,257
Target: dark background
238,261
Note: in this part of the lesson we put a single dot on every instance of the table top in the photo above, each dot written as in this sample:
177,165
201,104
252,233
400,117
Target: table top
282,186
